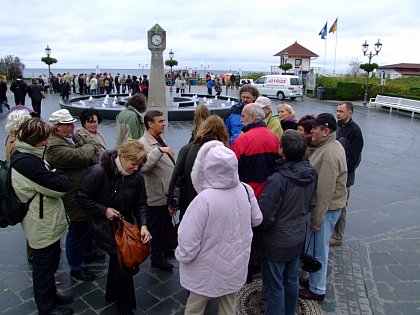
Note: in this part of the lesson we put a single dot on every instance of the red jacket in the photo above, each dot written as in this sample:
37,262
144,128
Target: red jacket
256,150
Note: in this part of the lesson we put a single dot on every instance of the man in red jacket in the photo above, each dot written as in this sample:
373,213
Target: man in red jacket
257,150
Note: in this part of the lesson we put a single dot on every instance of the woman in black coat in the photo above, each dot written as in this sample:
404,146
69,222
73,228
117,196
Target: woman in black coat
109,189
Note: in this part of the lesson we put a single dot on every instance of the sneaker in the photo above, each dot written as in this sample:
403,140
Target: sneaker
162,264
335,242
82,275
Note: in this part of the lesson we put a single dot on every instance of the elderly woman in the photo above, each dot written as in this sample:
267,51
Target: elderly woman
287,117
213,128
215,235
90,119
45,223
13,122
116,186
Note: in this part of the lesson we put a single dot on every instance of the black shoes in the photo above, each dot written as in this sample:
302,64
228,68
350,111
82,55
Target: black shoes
58,310
162,264
95,257
82,275
63,299
306,294
304,282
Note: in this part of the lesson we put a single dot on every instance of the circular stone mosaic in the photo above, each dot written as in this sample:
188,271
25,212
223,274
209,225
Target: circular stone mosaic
250,302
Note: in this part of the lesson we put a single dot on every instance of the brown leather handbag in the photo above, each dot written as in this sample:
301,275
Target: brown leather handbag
130,249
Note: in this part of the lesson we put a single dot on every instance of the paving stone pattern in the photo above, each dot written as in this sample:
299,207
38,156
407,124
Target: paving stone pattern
375,271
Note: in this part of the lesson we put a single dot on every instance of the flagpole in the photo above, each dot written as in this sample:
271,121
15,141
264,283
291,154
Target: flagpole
335,52
325,52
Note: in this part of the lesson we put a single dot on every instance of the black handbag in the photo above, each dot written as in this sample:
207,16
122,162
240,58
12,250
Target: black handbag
310,263
175,196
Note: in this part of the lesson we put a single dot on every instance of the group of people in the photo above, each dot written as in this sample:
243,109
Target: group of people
256,190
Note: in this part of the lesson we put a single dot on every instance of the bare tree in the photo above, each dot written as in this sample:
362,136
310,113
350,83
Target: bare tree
354,67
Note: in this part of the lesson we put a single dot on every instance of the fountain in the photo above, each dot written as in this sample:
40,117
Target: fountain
181,108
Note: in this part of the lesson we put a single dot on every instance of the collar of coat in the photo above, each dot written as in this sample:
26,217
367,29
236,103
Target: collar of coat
255,124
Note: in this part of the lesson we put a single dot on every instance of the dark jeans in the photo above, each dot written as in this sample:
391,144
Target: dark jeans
119,288
36,106
20,100
79,243
280,286
159,218
45,264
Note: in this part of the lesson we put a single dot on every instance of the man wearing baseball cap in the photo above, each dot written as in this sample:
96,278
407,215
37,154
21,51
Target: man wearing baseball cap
329,160
74,154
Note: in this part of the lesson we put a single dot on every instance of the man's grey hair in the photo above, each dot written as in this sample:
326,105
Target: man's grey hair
256,111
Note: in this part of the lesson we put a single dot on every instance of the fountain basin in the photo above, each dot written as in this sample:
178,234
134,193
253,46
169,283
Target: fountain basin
182,108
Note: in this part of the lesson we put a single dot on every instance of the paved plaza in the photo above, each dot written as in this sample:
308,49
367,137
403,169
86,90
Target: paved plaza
375,271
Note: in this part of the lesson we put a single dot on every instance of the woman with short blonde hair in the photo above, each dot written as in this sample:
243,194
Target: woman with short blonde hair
287,117
112,188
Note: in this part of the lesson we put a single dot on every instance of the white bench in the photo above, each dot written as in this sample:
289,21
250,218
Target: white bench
397,103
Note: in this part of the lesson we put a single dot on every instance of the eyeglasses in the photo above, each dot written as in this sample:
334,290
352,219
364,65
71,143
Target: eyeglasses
95,122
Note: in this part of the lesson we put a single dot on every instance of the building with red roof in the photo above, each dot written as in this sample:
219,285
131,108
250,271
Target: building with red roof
299,56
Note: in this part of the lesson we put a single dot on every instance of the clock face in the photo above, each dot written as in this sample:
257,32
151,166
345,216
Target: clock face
156,39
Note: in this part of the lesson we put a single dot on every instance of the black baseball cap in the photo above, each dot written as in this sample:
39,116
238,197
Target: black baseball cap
324,119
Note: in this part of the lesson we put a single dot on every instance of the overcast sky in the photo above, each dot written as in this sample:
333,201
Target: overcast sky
226,34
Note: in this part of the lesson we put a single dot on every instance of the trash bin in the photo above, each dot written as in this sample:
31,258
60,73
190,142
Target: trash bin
320,92
192,82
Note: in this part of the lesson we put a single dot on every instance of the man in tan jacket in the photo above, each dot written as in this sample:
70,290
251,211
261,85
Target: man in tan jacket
329,160
157,173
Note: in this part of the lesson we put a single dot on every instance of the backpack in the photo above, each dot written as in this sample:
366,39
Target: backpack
12,210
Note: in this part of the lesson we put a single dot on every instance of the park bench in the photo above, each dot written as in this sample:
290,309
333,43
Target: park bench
397,103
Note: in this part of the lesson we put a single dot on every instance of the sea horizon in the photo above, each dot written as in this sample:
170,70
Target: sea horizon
36,72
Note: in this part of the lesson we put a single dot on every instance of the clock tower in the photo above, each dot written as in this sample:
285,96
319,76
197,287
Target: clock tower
156,40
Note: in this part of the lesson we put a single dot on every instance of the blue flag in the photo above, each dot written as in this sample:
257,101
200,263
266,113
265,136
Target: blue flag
323,32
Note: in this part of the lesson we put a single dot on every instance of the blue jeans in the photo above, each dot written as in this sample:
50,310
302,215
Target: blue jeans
280,286
318,280
79,243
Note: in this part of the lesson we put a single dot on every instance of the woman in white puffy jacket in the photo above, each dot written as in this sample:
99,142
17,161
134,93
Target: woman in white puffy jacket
215,233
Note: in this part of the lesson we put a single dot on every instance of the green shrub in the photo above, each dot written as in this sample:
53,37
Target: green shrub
349,91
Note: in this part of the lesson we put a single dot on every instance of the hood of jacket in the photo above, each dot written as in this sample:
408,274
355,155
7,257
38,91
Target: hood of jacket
215,167
24,147
299,172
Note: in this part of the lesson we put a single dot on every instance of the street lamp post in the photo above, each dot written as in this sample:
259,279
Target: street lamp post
171,56
48,52
378,47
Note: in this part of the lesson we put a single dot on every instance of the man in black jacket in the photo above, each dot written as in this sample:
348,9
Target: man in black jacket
350,136
19,89
288,197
